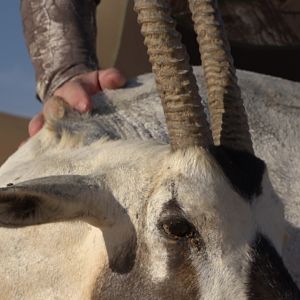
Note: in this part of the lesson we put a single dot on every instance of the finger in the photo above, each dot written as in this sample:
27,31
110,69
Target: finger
54,108
74,94
111,79
35,124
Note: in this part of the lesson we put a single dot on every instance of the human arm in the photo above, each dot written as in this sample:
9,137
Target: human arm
60,36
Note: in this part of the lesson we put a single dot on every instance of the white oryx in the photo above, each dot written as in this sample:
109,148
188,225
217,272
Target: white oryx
120,214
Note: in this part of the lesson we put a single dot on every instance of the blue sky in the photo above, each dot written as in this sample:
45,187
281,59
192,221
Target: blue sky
17,84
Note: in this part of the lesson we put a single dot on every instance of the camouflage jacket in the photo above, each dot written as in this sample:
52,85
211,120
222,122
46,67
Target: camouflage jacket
60,36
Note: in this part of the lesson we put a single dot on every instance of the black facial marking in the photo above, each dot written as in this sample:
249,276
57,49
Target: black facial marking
182,280
182,273
180,284
244,170
269,278
182,241
172,205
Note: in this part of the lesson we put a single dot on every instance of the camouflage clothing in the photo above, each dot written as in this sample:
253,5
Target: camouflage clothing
60,36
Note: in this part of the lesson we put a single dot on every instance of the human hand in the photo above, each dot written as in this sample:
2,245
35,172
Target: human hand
78,91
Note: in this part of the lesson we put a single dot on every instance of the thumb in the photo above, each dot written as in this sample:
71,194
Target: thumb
76,96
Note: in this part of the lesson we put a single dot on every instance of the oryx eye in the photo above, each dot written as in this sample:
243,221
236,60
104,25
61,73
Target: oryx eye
177,228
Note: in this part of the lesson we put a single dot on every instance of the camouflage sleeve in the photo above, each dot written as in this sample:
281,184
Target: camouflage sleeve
60,36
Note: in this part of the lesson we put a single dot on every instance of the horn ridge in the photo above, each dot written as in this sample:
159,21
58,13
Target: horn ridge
229,123
176,83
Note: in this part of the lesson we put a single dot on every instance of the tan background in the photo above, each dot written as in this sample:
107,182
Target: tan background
119,42
13,130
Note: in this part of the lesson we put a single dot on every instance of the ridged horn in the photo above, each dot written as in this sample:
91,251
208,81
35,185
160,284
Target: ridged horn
229,123
184,113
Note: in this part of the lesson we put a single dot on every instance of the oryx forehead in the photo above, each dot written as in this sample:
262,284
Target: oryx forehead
205,196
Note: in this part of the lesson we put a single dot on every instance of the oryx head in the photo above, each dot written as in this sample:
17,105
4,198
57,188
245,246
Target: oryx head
197,220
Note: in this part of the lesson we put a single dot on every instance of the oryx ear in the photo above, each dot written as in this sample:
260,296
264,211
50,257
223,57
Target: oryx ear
58,198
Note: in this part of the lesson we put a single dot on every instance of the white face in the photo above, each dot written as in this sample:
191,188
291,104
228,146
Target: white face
184,230
195,233
201,234
197,237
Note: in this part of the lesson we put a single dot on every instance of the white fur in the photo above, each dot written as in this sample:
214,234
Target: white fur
158,258
63,260
142,186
